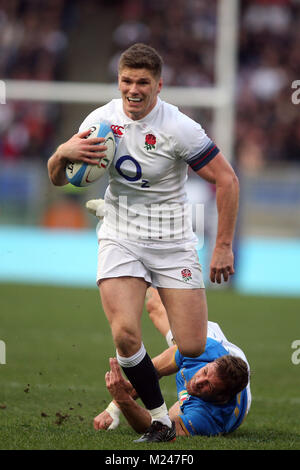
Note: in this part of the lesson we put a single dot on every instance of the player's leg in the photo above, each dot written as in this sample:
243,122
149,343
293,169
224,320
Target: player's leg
178,276
157,311
123,300
187,314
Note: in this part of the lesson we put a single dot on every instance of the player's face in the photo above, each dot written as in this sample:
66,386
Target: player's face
139,90
205,383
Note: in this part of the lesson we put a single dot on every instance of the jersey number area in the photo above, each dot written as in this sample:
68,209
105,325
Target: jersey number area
138,170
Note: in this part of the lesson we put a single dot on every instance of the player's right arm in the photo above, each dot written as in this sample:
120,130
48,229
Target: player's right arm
124,395
121,391
76,149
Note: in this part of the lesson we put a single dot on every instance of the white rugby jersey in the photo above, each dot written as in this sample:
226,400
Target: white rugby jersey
146,198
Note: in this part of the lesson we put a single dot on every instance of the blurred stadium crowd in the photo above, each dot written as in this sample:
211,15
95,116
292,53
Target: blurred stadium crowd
34,38
33,44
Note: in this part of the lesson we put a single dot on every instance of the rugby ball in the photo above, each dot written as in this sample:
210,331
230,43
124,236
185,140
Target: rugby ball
83,174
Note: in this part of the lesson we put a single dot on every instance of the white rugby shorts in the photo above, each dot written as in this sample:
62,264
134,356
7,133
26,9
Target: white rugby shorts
173,266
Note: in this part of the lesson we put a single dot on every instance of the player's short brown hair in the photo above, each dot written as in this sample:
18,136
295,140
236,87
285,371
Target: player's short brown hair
142,56
234,374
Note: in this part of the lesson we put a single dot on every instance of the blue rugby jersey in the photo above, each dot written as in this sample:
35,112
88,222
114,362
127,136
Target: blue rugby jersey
199,416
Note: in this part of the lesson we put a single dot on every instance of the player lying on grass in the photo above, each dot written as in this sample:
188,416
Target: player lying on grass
213,389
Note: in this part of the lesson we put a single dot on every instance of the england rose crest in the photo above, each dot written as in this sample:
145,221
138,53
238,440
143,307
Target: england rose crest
186,274
150,142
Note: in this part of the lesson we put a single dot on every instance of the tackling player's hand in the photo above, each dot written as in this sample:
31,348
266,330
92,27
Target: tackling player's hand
118,387
103,421
80,149
221,264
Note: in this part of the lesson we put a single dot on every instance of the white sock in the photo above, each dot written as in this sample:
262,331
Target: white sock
161,414
132,360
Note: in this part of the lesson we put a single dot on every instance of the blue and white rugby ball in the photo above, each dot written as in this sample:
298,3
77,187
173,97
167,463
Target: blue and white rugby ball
83,174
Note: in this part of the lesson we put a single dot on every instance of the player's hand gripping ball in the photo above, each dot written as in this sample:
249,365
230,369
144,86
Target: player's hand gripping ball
83,174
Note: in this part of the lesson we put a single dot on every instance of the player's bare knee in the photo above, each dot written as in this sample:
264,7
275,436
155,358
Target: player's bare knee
192,350
127,342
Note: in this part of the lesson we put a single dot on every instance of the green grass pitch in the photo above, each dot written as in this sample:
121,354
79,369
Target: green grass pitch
57,347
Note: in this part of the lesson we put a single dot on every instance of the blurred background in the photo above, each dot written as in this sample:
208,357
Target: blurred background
243,64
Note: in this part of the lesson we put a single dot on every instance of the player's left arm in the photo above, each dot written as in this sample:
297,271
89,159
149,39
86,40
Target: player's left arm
219,172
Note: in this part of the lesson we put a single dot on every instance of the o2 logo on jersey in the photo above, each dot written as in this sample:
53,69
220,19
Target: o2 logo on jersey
138,170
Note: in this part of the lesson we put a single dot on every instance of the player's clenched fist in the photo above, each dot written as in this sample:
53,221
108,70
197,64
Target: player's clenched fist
103,421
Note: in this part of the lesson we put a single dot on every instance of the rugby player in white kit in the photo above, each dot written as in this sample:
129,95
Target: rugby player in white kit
146,236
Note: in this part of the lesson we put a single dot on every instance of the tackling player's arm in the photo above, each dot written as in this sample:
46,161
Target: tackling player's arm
137,416
76,149
220,172
124,395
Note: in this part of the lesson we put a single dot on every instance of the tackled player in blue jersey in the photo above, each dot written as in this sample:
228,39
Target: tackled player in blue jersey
213,389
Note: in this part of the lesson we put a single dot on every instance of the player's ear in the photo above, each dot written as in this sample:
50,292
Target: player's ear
159,85
119,77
